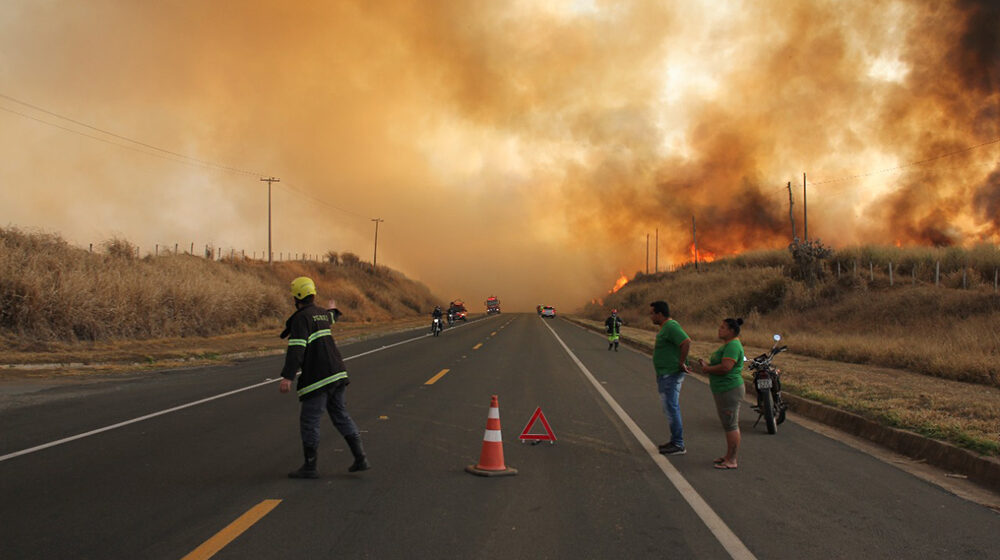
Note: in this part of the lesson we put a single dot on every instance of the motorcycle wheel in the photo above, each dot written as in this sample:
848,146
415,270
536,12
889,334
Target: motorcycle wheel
767,408
781,415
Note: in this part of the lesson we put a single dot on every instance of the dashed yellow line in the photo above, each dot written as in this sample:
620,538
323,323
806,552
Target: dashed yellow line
233,530
434,379
478,346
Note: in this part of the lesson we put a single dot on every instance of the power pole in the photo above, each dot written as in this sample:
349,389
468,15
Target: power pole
656,269
694,237
375,256
791,214
269,180
647,253
805,211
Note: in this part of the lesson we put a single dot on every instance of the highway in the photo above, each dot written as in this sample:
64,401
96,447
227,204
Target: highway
192,463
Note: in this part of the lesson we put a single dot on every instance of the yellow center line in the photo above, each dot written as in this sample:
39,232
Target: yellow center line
478,346
439,375
233,530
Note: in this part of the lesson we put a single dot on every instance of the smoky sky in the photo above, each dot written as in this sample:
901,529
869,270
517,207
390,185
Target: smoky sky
522,149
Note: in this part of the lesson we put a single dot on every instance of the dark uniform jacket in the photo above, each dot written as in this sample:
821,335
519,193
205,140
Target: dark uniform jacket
311,348
613,325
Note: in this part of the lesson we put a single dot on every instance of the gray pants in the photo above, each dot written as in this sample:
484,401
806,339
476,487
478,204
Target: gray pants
331,399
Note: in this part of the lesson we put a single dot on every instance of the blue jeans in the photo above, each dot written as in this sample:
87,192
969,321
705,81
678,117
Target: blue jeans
670,395
332,401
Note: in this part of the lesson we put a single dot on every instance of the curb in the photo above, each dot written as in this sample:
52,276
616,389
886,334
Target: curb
980,469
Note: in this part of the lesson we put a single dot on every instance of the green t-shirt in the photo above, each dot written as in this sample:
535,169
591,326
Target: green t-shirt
722,382
667,351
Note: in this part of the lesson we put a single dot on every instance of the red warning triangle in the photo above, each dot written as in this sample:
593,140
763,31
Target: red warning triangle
547,436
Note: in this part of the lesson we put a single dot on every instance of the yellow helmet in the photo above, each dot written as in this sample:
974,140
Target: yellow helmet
303,287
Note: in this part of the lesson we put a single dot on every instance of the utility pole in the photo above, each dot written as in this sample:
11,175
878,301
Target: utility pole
269,180
805,211
656,269
694,237
375,256
791,214
647,253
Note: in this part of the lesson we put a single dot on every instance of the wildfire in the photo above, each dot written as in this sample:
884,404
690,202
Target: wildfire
701,255
619,284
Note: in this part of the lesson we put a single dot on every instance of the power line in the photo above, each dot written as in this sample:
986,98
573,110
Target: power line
905,165
169,155
119,136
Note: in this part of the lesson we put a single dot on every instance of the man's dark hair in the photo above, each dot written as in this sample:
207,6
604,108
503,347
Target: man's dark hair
661,307
306,300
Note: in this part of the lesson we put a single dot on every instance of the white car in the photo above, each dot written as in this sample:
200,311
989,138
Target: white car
549,311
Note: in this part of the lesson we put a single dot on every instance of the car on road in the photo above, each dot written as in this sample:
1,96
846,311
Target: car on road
549,311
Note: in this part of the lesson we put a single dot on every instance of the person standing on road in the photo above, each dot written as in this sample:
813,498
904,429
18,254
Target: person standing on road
670,362
724,369
321,386
613,324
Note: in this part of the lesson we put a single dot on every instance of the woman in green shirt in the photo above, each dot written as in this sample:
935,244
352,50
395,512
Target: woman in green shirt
726,381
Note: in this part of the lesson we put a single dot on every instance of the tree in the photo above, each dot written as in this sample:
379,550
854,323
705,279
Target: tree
807,257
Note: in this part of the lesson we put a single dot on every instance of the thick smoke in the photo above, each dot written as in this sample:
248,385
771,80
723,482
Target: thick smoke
517,148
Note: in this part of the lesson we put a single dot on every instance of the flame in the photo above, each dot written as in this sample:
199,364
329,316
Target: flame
899,243
701,255
619,284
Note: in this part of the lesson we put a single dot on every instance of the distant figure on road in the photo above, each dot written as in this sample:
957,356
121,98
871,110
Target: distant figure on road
670,362
613,324
324,378
724,377
436,314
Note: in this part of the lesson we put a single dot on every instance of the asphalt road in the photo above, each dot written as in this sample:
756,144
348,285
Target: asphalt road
169,479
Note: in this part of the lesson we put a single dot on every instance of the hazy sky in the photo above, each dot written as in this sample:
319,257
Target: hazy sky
516,148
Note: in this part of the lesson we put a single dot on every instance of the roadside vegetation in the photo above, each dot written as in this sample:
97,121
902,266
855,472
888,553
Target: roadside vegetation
924,322
54,294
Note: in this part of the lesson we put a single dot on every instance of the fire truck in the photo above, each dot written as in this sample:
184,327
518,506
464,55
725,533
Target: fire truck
492,305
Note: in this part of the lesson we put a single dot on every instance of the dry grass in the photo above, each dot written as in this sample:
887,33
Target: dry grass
52,293
947,333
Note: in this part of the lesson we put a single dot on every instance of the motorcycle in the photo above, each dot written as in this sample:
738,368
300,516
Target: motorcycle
436,326
767,383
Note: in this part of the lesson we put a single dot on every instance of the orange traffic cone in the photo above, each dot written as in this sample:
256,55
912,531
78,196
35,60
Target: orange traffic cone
491,457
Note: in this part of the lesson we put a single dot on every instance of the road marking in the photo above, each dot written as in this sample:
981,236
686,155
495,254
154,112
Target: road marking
233,530
478,346
494,333
434,379
182,407
722,532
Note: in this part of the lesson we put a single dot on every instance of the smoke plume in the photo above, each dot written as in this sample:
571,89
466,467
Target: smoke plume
519,149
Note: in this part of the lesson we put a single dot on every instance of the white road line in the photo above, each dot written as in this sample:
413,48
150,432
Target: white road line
722,532
181,407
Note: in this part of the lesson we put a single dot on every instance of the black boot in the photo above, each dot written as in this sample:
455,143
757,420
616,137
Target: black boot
616,347
610,344
360,459
308,468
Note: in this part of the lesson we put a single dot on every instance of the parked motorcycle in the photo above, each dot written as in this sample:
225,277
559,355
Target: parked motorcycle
767,383
436,326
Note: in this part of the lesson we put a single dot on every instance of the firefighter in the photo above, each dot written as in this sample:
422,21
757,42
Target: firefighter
321,385
613,324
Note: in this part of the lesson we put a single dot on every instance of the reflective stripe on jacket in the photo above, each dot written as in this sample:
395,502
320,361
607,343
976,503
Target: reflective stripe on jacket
312,349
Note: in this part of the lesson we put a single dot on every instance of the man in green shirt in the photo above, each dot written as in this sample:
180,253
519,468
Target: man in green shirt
670,362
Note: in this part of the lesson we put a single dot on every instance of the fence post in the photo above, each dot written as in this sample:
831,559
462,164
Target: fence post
995,277
855,267
913,272
157,250
937,273
890,273
838,269
964,275
192,248
871,270
175,248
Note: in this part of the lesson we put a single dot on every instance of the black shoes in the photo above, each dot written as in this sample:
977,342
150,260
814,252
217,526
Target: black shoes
308,468
672,449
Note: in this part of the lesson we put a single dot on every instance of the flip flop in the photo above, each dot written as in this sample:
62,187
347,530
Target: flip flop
719,460
722,467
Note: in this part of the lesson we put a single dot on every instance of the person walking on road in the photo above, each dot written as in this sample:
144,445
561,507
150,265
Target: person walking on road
724,369
321,386
613,324
670,362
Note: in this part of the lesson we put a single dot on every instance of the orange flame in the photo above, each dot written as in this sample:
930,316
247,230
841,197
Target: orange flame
701,255
899,243
619,284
